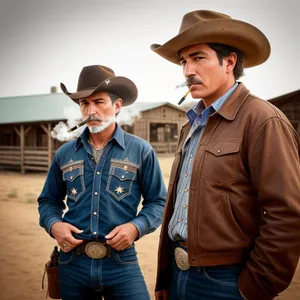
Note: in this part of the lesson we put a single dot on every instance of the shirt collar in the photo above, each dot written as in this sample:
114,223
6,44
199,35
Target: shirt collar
199,108
118,136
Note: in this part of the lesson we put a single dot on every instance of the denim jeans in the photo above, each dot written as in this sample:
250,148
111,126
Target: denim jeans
114,278
205,283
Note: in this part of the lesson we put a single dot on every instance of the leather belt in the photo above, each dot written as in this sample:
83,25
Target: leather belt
95,250
183,243
182,258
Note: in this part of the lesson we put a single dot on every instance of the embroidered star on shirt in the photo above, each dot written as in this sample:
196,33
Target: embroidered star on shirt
74,191
119,190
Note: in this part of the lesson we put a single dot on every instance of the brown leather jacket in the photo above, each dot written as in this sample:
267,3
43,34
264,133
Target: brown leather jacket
244,198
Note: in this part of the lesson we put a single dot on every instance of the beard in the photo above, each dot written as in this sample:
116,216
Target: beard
102,126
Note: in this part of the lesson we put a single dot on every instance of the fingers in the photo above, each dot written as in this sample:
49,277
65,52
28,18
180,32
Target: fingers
113,233
74,229
120,245
63,234
122,236
64,247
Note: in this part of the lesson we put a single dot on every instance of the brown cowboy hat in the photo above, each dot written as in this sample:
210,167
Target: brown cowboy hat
94,79
204,26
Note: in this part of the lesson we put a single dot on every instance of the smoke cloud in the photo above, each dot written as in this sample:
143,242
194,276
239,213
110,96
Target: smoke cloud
127,116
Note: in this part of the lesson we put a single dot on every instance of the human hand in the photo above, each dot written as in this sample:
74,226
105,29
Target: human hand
62,232
122,236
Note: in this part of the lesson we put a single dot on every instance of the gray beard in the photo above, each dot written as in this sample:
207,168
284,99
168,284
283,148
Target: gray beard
104,125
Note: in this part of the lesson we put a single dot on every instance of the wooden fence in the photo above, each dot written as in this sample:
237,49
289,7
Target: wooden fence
37,158
31,158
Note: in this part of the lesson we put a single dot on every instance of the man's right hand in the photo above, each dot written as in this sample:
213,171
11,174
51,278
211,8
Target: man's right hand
62,232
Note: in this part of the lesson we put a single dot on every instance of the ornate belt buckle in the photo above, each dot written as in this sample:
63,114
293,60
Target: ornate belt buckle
181,259
95,250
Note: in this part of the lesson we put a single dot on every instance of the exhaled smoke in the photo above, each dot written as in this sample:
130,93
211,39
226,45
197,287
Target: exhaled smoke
60,131
127,116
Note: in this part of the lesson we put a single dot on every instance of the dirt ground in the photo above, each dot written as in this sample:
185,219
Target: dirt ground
25,247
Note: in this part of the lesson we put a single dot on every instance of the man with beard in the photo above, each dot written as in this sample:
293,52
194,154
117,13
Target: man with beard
103,173
232,220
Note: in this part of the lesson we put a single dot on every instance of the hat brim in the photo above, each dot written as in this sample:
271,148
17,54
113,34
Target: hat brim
121,86
241,35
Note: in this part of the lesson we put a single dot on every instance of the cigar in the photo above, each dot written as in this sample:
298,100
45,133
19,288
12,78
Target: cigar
78,125
183,98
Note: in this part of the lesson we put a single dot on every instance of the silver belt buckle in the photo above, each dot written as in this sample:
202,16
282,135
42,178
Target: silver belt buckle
95,250
181,259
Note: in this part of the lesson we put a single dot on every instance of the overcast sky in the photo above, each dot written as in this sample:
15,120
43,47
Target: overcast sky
47,42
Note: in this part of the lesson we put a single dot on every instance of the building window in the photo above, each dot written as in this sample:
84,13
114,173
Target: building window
163,133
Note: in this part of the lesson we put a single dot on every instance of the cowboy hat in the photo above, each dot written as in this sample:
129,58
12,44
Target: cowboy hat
204,26
98,78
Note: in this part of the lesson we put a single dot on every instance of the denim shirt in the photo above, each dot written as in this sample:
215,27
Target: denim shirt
104,195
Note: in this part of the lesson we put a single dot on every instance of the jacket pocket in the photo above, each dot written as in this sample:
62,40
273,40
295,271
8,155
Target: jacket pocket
229,219
73,175
120,178
220,163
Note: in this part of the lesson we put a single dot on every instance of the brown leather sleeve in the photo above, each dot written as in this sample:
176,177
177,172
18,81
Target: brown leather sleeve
274,166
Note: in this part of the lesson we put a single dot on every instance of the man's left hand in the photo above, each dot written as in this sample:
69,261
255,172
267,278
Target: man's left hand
122,236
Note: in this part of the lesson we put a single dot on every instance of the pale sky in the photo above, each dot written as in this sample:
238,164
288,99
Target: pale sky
47,42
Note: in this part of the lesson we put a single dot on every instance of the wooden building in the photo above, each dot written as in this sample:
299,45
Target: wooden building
26,123
289,104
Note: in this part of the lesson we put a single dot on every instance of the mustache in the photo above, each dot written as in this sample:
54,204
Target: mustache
92,118
191,80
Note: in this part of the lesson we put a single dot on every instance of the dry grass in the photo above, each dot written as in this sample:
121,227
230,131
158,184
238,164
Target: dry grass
26,246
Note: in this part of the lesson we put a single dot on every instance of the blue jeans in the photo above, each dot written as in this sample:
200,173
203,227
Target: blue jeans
205,283
118,277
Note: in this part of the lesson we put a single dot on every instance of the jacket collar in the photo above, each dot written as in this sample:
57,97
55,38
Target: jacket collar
229,109
233,104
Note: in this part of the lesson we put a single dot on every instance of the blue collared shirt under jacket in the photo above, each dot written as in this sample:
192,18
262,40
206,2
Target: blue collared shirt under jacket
198,117
104,195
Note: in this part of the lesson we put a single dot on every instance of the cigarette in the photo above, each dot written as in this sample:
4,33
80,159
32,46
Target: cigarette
78,125
183,98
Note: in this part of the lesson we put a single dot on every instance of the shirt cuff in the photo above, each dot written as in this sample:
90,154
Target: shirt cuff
141,226
50,224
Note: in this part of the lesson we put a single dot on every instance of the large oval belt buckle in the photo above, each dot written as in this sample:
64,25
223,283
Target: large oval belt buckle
182,259
95,250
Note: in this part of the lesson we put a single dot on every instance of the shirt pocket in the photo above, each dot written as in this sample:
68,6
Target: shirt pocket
73,176
220,163
120,179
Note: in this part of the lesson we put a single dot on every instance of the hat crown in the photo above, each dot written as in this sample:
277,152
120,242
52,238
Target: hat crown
91,76
199,16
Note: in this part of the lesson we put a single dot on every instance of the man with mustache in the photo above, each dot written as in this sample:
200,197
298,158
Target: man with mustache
232,217
103,175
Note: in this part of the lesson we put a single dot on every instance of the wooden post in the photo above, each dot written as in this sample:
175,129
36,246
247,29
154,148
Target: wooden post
22,133
22,144
48,132
49,145
147,131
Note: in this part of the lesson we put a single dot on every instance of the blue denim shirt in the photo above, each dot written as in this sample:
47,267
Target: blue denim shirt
104,195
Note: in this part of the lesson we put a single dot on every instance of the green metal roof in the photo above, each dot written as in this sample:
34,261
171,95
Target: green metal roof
35,108
50,107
